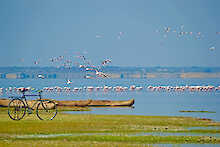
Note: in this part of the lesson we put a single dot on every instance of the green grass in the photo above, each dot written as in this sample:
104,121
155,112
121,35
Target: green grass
88,123
111,124
134,139
68,143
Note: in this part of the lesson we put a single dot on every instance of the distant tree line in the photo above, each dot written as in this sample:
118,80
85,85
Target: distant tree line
15,69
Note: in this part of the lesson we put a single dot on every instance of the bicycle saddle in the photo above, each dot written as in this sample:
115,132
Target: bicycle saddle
23,89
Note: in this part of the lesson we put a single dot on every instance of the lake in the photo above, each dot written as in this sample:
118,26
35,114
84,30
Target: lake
146,102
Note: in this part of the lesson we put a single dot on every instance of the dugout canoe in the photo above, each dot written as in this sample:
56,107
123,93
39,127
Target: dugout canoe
82,103
96,103
4,102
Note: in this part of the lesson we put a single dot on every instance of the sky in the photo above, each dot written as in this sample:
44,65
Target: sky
129,32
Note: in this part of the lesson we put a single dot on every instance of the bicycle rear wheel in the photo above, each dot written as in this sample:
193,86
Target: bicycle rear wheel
46,110
16,109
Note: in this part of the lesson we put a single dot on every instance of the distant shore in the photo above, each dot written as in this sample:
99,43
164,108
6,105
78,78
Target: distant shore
111,71
116,75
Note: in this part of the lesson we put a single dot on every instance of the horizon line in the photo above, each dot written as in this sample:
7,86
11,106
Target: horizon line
114,66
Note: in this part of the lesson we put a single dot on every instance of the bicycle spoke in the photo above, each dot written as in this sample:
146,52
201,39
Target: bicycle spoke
46,110
16,109
15,113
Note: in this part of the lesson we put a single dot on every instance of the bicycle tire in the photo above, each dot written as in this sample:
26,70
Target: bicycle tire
16,109
46,110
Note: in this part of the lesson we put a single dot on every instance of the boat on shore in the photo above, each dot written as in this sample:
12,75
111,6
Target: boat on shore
82,103
4,102
111,103
96,103
79,103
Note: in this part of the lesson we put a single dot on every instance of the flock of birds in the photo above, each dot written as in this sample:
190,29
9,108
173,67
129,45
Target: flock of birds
164,31
106,88
180,32
85,65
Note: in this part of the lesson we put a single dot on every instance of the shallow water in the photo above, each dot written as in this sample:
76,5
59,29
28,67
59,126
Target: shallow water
204,128
146,102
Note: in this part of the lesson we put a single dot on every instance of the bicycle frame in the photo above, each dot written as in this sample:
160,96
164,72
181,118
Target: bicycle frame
33,95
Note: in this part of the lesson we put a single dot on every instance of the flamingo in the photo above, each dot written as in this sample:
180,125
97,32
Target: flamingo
212,48
36,62
90,88
101,74
98,36
167,29
98,73
69,82
106,62
82,66
41,76
139,88
132,87
1,90
88,77
120,34
76,89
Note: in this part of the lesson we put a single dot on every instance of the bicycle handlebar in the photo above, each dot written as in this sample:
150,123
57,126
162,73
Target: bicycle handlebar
24,95
38,91
12,97
31,95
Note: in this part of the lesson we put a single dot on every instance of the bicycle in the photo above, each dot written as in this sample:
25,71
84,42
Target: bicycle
45,109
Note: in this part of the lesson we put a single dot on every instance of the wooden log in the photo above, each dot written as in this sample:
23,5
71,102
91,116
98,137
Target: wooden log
95,103
79,103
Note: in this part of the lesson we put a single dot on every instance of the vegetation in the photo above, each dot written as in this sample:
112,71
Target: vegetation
110,140
103,130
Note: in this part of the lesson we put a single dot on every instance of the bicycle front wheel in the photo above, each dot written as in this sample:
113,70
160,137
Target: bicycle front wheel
16,109
46,110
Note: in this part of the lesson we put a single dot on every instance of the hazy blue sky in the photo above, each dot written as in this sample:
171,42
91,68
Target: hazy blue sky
40,29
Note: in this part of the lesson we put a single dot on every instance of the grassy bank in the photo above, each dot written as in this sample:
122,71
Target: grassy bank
118,128
98,140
